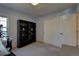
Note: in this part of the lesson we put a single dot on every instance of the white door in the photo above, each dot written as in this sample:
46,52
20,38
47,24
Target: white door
78,28
51,31
68,28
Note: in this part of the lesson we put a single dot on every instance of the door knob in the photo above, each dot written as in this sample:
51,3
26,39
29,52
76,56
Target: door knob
61,33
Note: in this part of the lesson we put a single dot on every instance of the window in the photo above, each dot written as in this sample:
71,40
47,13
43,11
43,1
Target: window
3,29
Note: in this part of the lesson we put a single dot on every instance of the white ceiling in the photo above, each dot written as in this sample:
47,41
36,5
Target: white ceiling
39,10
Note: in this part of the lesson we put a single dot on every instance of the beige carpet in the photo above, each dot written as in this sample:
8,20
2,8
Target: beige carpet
43,49
37,49
67,50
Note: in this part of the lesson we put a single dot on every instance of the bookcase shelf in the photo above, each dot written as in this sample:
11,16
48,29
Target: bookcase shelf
26,33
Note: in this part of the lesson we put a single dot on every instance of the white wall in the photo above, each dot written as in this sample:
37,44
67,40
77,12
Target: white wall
39,30
12,22
53,25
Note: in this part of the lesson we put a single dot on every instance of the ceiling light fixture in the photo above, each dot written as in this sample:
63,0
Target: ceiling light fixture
34,4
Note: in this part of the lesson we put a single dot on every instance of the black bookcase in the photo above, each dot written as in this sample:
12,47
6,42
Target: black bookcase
26,33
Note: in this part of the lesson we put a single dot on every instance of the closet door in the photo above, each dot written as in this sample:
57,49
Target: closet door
60,30
52,31
78,27
68,29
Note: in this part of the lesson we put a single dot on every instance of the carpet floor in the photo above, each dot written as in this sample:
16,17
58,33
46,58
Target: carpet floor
37,49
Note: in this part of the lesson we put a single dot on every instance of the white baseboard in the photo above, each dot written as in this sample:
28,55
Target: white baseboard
48,44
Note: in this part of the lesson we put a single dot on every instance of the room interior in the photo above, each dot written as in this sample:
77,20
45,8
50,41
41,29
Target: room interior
43,29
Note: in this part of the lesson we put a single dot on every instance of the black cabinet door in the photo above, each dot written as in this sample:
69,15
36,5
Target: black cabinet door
26,33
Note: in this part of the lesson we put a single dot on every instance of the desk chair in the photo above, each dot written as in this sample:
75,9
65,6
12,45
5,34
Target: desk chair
9,47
